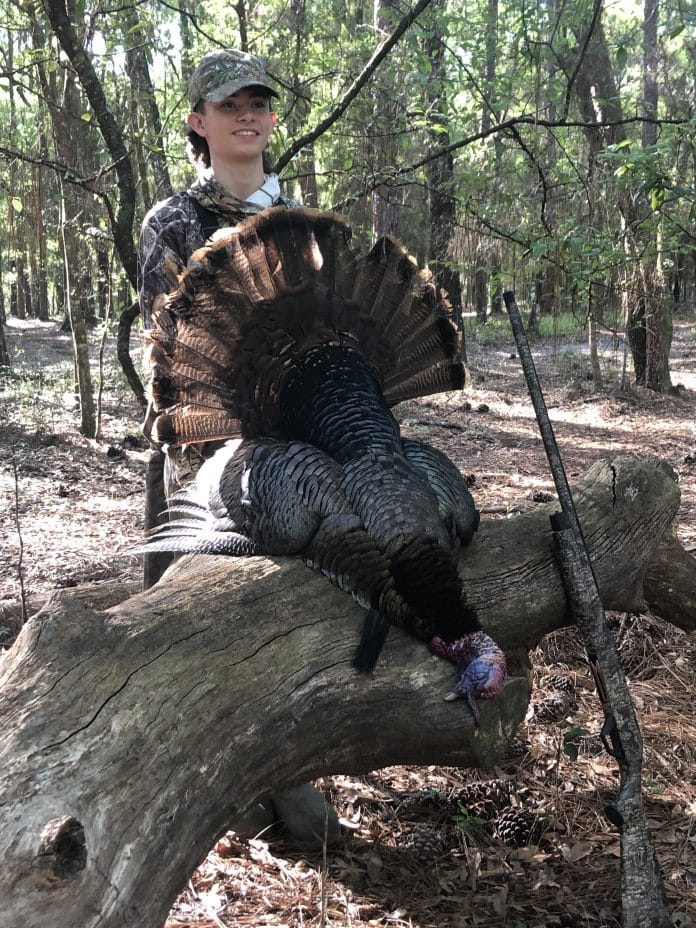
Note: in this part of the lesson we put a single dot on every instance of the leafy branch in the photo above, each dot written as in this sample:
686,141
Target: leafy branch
508,126
351,93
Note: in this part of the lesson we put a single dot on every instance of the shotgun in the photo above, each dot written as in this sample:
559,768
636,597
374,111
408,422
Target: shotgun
642,893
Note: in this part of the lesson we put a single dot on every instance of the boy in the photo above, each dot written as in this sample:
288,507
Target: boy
230,124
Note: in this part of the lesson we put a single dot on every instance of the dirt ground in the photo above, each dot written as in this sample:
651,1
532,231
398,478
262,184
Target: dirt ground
529,846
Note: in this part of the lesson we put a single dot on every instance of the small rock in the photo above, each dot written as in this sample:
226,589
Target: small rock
483,407
512,356
306,816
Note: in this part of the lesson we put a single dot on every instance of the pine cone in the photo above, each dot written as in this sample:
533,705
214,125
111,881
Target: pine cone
559,700
517,827
485,799
426,842
558,681
516,749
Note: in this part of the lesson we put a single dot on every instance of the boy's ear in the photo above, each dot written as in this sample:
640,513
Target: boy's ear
274,119
195,122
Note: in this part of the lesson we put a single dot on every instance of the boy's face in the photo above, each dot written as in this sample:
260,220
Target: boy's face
238,128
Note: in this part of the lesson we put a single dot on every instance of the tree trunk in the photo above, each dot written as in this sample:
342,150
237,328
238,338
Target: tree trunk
104,296
593,337
484,248
3,315
41,252
78,329
21,306
122,225
441,179
481,282
137,68
648,312
385,206
134,735
4,353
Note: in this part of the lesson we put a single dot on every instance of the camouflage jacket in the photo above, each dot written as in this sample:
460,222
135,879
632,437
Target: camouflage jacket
172,231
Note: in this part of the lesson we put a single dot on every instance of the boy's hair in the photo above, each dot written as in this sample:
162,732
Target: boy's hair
197,150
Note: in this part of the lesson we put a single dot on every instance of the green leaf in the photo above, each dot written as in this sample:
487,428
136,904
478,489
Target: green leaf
571,741
17,205
621,57
657,198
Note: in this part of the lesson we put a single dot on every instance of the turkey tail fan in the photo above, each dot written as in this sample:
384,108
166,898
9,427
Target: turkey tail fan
285,282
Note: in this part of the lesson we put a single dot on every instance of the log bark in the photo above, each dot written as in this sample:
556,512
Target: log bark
132,736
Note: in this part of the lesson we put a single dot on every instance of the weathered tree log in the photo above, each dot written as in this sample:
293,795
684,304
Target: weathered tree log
133,736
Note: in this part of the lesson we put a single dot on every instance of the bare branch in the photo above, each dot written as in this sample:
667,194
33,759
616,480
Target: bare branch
515,133
68,174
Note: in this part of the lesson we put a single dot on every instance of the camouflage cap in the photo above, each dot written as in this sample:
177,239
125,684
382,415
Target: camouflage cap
220,74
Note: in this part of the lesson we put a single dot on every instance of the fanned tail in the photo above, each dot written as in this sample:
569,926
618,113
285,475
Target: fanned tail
263,295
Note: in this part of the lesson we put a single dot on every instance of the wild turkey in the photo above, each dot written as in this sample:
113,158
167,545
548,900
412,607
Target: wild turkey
291,347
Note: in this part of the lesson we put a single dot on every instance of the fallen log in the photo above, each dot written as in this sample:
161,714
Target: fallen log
132,736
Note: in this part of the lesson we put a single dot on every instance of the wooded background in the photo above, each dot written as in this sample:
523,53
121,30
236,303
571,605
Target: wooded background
545,147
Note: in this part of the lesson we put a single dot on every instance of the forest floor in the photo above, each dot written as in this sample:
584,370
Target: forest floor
421,847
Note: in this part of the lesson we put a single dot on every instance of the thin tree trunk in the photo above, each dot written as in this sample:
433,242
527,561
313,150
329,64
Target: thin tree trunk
297,118
385,207
3,316
83,376
483,249
648,314
4,353
122,225
40,273
658,308
441,182
593,339
21,306
144,96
